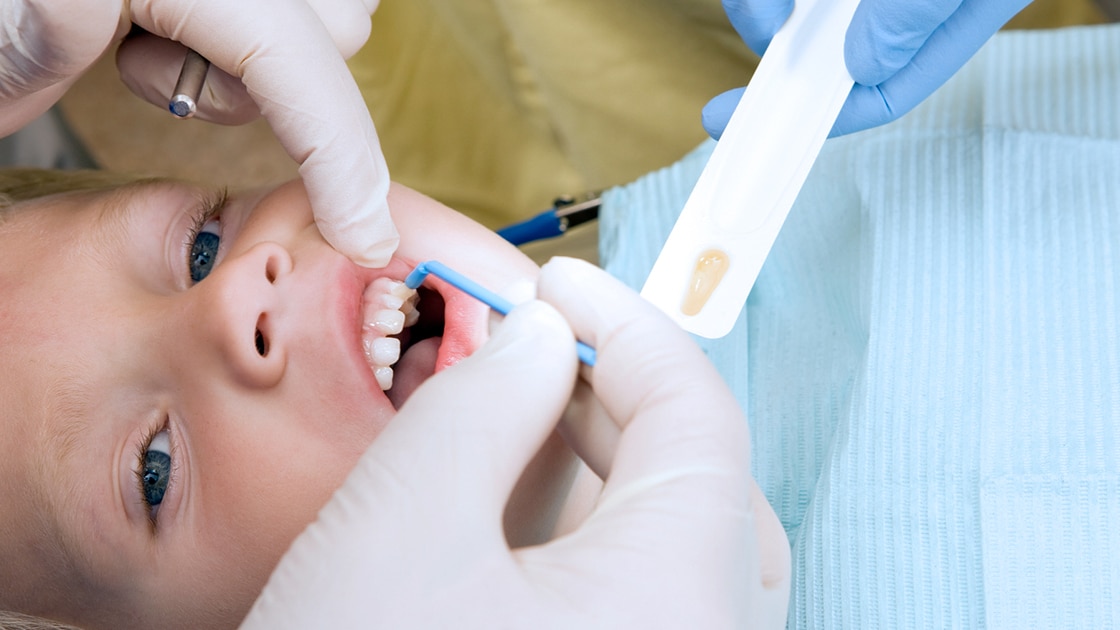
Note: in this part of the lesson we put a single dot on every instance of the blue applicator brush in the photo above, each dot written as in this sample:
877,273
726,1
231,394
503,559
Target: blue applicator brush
470,287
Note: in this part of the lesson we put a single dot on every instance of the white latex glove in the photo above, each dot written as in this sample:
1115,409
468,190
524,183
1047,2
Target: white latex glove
284,59
414,537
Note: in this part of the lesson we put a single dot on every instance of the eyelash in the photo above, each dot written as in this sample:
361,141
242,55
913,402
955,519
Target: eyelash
210,208
143,446
201,217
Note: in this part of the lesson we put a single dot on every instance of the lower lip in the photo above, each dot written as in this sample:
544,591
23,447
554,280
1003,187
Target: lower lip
460,338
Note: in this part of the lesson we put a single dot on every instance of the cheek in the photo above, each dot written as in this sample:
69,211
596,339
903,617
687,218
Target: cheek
326,377
283,469
325,396
255,502
267,479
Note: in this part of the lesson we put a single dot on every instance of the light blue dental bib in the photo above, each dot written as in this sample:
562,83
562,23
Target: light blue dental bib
930,360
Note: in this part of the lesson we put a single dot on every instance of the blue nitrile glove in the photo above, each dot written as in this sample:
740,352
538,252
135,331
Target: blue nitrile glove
898,52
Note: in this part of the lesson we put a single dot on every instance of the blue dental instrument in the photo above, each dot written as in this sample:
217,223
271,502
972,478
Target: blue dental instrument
566,213
470,287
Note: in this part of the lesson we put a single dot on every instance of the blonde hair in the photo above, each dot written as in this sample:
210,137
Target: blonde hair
27,184
24,184
16,621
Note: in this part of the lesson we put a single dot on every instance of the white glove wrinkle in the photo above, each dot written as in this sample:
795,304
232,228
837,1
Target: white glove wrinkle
42,44
618,496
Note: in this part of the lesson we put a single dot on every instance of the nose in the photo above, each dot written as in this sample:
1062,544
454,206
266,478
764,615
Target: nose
242,309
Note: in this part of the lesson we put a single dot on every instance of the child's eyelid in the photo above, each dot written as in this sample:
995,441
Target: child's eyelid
176,488
210,206
138,458
143,446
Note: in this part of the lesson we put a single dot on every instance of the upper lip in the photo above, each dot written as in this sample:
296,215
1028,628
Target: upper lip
346,287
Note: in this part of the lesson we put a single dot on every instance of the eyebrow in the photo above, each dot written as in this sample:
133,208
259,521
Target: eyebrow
115,214
68,401
66,423
120,205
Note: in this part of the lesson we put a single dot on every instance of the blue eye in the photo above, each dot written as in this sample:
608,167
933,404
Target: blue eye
204,250
155,472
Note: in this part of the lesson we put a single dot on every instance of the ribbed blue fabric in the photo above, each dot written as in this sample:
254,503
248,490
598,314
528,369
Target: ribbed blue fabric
930,360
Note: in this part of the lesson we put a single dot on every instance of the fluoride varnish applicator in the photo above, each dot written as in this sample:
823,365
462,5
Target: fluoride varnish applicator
470,287
713,255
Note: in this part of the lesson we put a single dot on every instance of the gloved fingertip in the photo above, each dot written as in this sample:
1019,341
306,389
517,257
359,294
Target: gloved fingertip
564,280
843,127
564,266
370,240
375,256
757,21
569,282
883,38
534,327
364,232
869,65
865,108
518,292
533,344
712,122
718,111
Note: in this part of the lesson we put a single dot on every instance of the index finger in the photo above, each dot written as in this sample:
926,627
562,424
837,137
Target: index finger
652,380
677,501
884,36
293,71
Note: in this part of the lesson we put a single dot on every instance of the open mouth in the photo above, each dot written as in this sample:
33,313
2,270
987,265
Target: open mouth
403,334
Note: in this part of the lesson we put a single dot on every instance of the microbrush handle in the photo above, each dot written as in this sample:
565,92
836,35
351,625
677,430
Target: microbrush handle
470,287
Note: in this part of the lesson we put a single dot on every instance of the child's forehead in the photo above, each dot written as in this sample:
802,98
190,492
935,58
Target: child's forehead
38,551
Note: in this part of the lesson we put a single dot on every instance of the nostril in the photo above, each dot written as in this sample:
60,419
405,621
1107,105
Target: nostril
260,337
270,270
261,342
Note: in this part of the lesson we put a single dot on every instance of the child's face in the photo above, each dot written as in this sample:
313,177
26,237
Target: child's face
252,379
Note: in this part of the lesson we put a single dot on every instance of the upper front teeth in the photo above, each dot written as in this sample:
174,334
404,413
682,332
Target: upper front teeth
402,291
388,321
384,351
388,306
384,376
